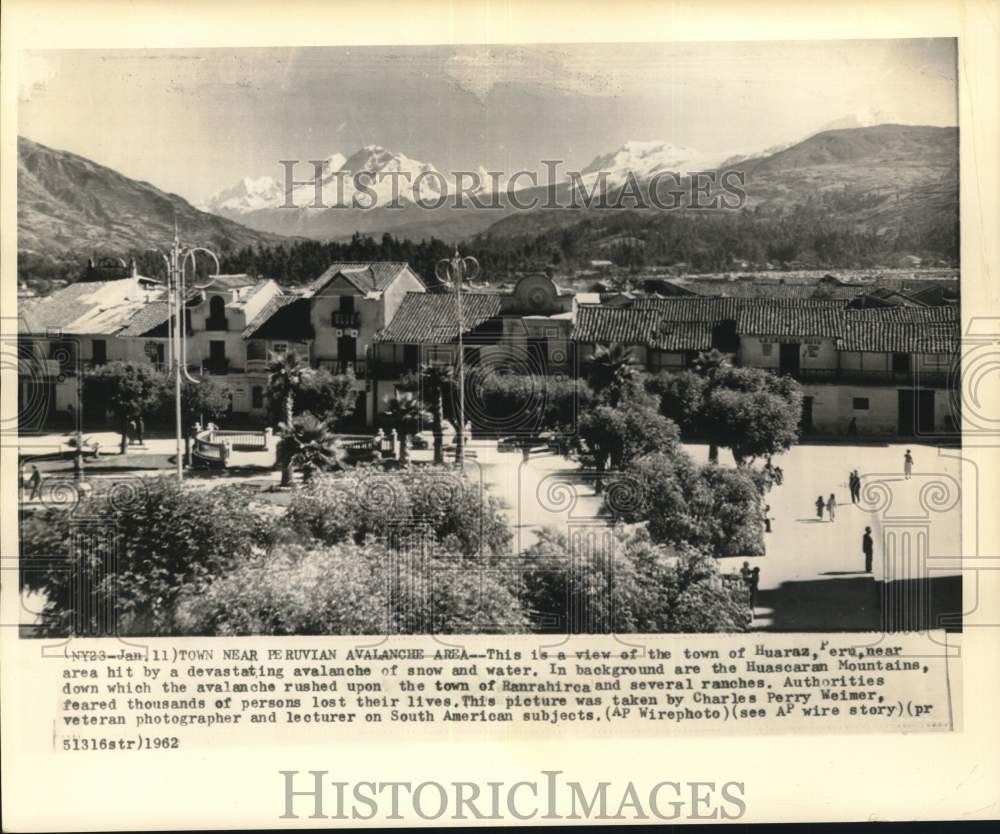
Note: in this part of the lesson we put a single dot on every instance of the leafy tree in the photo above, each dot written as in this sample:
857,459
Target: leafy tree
407,415
166,539
714,508
636,586
132,390
310,446
202,402
616,436
681,394
752,412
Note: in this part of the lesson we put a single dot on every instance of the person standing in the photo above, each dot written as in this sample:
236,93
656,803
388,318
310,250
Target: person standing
831,507
868,548
754,583
907,465
140,429
35,482
855,481
820,506
767,518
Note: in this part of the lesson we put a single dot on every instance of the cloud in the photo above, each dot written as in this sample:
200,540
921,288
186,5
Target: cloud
479,70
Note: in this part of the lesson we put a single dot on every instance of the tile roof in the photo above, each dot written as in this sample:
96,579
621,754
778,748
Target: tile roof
798,318
234,281
607,325
702,308
90,308
283,317
432,318
902,330
148,318
367,276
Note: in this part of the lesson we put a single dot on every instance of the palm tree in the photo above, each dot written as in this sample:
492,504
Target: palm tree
288,373
614,369
310,446
407,414
435,381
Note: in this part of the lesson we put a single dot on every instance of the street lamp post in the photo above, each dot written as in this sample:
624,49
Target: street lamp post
177,263
456,270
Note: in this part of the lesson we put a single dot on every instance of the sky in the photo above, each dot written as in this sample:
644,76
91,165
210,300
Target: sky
194,122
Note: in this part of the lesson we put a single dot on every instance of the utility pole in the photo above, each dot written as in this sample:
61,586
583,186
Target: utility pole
457,270
177,263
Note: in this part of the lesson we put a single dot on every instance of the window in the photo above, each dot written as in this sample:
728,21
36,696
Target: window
216,314
256,349
812,350
766,348
860,404
100,351
347,304
901,363
257,397
279,347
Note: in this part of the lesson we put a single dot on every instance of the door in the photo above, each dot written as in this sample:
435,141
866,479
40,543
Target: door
925,412
100,351
907,411
806,421
347,348
789,358
217,357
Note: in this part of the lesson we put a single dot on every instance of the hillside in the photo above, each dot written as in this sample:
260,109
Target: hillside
70,207
841,198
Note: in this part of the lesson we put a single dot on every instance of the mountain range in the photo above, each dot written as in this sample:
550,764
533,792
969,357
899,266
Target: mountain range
885,179
68,205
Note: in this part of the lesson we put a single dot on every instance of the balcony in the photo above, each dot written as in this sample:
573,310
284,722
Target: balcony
854,376
342,366
348,320
216,367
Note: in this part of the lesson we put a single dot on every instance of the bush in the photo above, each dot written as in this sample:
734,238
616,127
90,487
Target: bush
349,589
637,587
367,501
165,538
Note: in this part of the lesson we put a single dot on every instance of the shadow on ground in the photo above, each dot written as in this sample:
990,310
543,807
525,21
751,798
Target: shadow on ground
855,602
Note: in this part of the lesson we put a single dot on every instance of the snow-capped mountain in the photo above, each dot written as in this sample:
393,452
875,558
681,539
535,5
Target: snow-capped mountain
372,169
644,159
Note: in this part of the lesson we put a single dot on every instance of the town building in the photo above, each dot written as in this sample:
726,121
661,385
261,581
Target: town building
880,367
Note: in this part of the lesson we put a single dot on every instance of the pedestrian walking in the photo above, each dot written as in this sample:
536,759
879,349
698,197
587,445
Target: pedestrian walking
820,506
35,482
850,486
855,481
140,429
767,518
754,583
868,548
831,507
907,465
852,427
131,432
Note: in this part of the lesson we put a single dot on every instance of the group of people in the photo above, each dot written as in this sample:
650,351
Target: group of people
136,428
830,505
